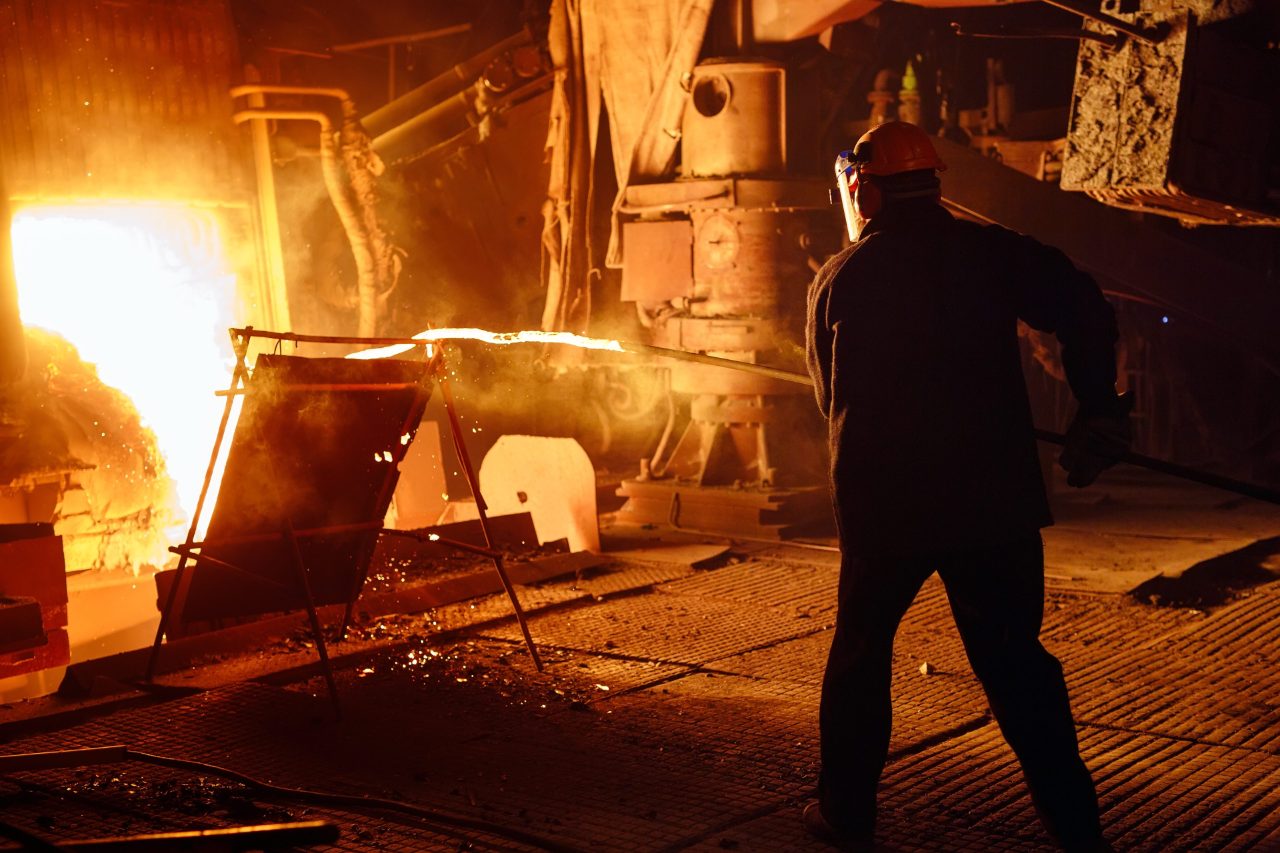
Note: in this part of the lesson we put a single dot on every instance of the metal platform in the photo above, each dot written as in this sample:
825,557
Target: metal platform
678,712
758,513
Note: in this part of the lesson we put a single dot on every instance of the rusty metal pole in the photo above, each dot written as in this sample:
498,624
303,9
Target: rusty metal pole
1183,472
240,343
317,630
464,459
1085,10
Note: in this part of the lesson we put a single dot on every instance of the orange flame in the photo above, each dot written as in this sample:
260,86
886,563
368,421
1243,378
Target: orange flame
146,293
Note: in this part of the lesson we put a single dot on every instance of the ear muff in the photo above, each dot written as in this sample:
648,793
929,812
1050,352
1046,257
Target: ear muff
867,198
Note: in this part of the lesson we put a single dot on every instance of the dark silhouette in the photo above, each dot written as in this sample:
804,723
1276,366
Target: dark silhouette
913,347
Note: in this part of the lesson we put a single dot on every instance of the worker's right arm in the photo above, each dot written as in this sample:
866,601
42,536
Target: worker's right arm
819,337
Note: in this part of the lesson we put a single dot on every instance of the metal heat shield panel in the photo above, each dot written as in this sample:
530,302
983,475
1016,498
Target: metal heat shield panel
317,445
659,264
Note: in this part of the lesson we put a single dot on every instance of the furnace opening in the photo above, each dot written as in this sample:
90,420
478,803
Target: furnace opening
145,293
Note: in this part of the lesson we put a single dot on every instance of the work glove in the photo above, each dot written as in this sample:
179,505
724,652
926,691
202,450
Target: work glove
1098,437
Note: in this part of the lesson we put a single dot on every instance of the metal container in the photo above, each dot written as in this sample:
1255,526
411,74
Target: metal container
735,120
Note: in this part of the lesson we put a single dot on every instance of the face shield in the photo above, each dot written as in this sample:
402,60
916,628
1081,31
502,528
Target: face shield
847,186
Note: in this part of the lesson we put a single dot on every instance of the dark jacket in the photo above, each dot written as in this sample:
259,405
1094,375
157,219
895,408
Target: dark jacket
913,348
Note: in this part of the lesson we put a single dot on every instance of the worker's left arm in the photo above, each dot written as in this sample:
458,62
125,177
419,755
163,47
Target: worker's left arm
1050,294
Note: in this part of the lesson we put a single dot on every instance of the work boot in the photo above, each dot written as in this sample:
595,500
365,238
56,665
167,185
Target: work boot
816,824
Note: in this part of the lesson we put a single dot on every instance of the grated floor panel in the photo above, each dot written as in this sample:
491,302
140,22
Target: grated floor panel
1210,699
706,734
800,587
630,577
1249,626
1156,794
669,628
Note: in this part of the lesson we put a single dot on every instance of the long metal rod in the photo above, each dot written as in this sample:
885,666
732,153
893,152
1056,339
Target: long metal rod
30,762
326,387
410,38
266,836
1229,484
1195,475
716,361
293,337
239,343
1107,39
317,630
464,460
258,538
205,559
1242,487
443,541
1081,8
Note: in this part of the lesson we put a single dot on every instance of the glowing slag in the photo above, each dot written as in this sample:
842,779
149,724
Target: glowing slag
529,336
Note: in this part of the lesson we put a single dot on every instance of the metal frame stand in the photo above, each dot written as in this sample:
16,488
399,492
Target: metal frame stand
433,368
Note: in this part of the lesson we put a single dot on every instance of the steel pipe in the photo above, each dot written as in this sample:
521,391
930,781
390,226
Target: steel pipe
247,89
426,96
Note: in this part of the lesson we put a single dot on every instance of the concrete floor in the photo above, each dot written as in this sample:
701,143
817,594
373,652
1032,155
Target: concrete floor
678,706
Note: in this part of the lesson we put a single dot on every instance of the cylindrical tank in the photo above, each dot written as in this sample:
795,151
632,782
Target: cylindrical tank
735,120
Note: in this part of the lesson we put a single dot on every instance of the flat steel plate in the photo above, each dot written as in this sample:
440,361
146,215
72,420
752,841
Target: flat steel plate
317,446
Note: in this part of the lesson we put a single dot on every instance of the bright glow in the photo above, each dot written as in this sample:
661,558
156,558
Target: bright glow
498,338
145,292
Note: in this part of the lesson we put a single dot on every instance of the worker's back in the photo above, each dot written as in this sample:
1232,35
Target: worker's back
931,438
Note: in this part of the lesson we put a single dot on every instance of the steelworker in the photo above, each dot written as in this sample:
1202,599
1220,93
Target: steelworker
913,348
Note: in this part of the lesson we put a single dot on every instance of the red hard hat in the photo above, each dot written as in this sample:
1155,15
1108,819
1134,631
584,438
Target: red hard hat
895,147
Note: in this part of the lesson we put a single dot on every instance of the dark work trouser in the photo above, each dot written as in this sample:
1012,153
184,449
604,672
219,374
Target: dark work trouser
997,599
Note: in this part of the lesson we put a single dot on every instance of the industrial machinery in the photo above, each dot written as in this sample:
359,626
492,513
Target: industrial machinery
1183,126
718,262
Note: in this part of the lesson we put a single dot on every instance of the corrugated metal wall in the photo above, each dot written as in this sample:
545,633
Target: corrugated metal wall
119,99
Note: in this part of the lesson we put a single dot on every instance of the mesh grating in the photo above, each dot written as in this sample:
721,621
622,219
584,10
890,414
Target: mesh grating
797,586
674,629
1156,794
